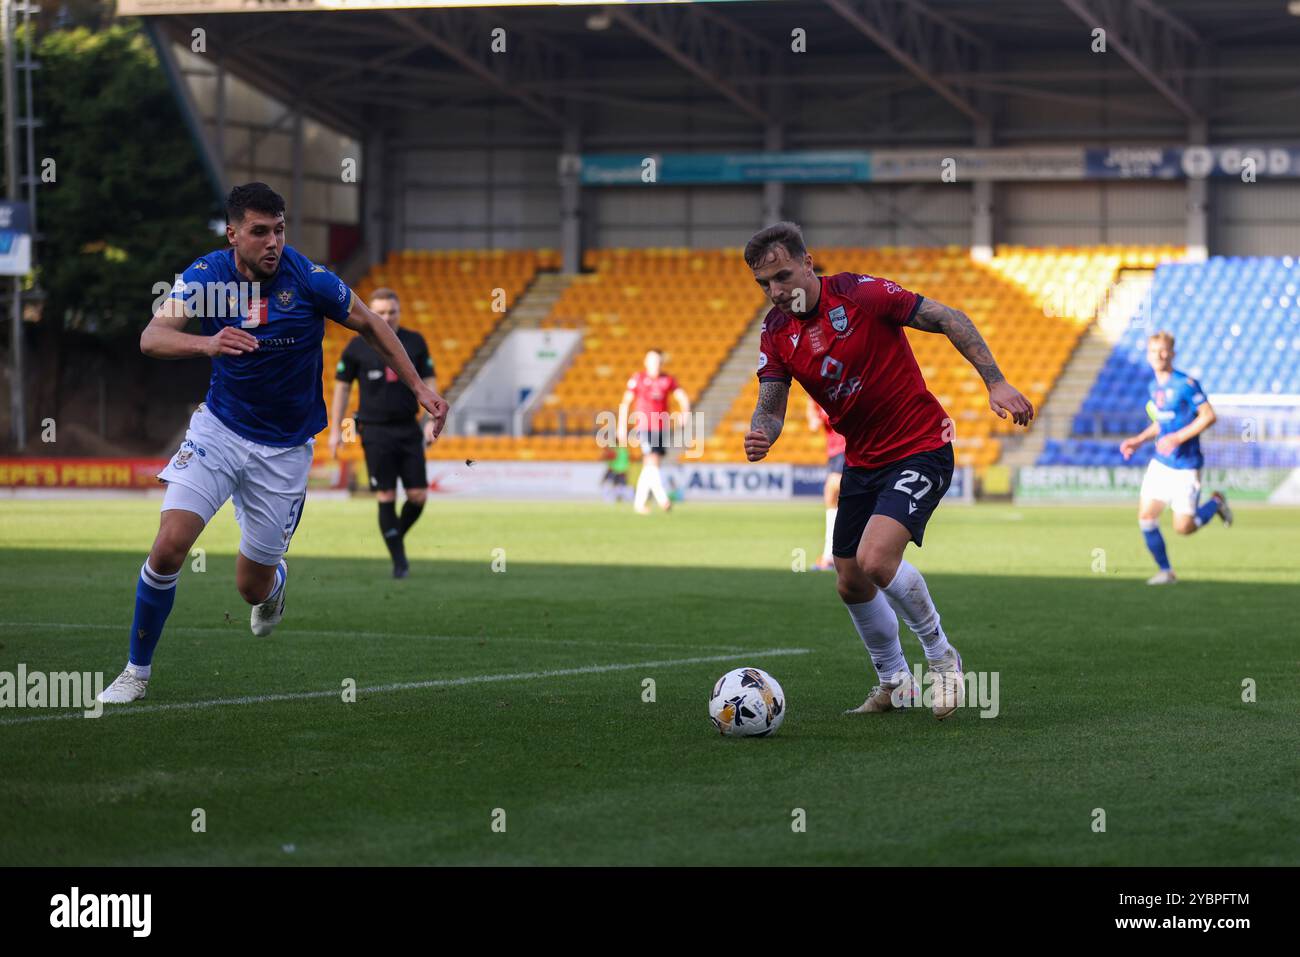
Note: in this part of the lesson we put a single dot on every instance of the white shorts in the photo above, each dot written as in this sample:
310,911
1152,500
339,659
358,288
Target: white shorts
268,484
1179,488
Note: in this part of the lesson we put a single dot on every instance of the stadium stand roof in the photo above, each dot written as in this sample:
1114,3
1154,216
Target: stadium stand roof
1169,63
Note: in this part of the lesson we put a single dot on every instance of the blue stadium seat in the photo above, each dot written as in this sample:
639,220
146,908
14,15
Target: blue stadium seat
1236,320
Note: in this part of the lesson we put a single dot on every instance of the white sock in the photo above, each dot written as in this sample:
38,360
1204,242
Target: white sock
157,580
911,599
830,531
656,482
642,487
878,627
140,671
276,585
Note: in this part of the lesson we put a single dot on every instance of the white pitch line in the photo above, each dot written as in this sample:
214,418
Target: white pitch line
236,629
408,686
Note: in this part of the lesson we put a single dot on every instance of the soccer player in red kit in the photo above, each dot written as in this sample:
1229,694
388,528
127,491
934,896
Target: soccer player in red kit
842,337
835,445
651,421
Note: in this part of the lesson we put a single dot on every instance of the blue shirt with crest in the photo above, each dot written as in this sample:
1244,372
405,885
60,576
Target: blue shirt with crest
271,395
1172,406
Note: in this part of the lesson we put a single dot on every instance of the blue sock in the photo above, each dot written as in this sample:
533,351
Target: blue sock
1207,512
154,595
1156,543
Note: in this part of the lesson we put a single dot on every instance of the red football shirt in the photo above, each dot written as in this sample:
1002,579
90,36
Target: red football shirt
865,375
651,395
835,443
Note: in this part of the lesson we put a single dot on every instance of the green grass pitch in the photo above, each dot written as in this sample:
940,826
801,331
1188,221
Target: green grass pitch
524,693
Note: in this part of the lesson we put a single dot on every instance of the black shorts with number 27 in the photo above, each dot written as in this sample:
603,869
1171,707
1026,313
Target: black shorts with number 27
908,491
394,452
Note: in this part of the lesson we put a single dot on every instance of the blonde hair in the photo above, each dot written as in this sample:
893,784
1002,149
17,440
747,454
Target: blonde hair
1162,336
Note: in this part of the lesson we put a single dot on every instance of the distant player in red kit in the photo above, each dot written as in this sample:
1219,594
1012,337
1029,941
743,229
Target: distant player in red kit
818,420
842,337
651,422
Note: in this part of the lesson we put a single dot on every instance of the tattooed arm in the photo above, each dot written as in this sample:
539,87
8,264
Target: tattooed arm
769,417
961,332
934,316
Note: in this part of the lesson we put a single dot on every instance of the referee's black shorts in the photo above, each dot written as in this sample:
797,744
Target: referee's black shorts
394,451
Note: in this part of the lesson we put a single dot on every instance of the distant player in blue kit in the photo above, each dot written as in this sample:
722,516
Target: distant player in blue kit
1179,414
262,306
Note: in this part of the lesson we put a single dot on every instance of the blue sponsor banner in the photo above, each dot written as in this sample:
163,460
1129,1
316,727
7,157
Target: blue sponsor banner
1132,163
15,239
809,479
720,168
1193,162
1007,164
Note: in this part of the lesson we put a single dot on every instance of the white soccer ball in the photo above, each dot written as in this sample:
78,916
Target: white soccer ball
747,702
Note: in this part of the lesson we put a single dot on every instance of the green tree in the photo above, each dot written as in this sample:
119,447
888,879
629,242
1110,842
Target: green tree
130,203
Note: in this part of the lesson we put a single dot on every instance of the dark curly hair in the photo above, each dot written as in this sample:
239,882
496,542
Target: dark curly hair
255,196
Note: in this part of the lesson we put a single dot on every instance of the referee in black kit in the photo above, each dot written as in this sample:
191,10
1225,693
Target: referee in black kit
390,437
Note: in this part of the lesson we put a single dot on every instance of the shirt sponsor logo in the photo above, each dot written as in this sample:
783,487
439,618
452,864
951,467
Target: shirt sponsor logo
343,292
256,315
762,359
843,390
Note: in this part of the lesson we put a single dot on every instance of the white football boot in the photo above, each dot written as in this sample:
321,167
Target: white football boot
1165,576
124,689
948,688
268,614
889,697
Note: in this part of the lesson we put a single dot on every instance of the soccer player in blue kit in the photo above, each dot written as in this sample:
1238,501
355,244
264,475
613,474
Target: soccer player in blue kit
262,306
1179,414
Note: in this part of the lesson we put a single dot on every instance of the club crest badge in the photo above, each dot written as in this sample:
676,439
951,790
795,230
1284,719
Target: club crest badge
285,298
839,319
183,459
